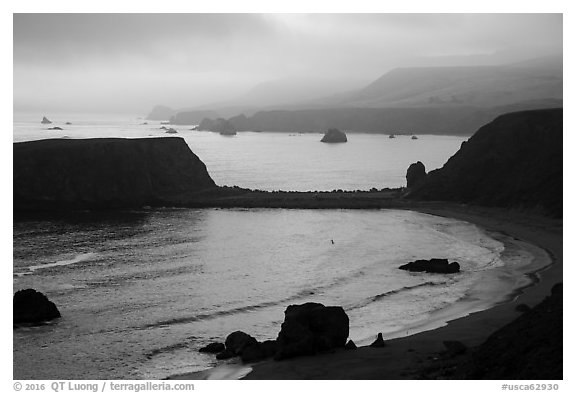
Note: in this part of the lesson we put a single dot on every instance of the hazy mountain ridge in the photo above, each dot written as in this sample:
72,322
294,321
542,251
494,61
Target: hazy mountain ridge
424,100
462,120
479,86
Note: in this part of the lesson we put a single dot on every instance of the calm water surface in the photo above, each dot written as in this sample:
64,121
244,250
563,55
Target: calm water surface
274,161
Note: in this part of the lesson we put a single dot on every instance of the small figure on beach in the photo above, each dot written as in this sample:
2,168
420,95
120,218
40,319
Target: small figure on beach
332,240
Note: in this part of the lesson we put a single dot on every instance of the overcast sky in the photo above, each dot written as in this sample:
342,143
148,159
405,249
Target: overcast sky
129,62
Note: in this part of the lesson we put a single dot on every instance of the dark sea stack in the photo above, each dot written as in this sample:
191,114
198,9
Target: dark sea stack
415,174
67,174
55,128
311,328
31,306
45,120
334,135
434,265
514,161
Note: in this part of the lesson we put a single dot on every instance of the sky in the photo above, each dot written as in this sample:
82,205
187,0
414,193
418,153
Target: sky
127,63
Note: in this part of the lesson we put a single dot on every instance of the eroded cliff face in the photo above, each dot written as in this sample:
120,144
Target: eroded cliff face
513,161
106,173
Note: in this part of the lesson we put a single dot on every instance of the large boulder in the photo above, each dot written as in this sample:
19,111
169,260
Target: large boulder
31,306
311,328
236,342
415,174
334,135
434,265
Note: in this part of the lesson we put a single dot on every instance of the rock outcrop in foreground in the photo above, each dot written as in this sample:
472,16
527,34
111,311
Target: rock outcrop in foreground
31,306
311,328
514,161
334,135
308,329
64,174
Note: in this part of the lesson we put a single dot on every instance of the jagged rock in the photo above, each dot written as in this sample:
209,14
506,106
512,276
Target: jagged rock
379,342
171,131
334,135
225,354
213,348
31,306
415,174
237,341
311,328
350,345
45,121
454,348
434,265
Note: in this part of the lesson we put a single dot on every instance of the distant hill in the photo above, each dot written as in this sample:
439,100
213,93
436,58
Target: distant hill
463,120
191,117
161,112
532,80
514,161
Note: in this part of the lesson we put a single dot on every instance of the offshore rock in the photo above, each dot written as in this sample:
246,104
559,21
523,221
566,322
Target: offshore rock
334,135
31,306
434,265
415,174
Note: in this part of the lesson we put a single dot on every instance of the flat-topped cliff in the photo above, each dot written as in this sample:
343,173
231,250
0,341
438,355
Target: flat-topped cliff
106,173
513,161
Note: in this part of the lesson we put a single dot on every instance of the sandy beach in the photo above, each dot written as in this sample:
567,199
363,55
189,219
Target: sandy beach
405,358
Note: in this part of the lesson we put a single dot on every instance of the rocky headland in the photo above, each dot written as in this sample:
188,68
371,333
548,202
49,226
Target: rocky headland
69,174
514,161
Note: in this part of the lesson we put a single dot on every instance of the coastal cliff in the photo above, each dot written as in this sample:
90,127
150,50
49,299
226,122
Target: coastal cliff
514,161
106,173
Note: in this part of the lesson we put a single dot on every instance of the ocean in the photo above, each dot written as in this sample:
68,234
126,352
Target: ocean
271,161
141,291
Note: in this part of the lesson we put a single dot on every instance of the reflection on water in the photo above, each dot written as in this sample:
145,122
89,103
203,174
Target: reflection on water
141,291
